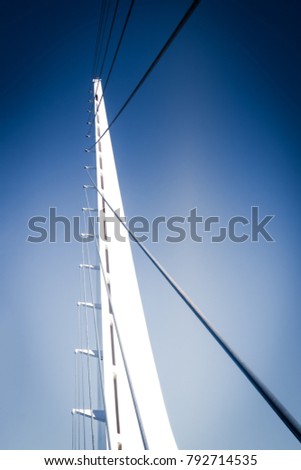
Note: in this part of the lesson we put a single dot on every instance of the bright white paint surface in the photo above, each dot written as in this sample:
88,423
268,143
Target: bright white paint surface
117,262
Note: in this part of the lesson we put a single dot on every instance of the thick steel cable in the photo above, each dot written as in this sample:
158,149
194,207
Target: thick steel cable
100,33
109,37
159,56
106,14
114,59
104,60
103,9
286,417
103,36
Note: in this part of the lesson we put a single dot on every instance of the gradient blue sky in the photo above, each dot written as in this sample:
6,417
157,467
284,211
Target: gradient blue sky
217,127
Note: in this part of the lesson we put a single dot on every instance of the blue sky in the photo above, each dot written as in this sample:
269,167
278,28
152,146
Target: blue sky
216,126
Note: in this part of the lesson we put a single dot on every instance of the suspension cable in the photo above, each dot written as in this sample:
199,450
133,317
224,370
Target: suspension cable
109,37
103,35
103,63
96,330
81,371
88,356
114,60
289,420
136,407
102,15
169,41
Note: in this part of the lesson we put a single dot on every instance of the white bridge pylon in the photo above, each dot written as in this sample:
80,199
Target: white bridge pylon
136,416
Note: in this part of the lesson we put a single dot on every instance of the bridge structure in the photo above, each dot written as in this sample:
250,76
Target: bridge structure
119,403
131,412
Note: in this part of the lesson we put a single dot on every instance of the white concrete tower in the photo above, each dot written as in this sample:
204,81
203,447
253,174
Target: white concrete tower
142,422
